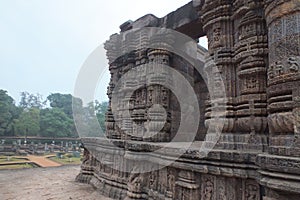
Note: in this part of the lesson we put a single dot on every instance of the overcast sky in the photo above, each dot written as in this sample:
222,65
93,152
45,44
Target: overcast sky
44,43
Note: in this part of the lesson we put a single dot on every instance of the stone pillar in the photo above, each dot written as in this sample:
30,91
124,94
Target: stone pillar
217,23
124,97
283,22
138,105
251,58
157,122
251,49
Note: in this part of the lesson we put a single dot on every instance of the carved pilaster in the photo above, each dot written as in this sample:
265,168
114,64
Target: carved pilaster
251,58
158,120
217,23
283,19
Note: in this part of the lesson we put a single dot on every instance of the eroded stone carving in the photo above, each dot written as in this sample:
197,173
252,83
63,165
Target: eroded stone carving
255,45
252,192
208,188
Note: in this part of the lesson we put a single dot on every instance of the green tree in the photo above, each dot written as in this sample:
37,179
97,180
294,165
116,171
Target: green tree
90,122
101,109
90,119
32,101
28,123
55,123
8,113
64,102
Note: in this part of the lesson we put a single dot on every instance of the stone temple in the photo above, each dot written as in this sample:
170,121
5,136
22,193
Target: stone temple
188,123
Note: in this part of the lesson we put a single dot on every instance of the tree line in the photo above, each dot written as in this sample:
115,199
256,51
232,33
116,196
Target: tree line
50,117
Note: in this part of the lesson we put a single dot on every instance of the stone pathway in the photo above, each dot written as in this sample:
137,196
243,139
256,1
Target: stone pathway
55,183
43,161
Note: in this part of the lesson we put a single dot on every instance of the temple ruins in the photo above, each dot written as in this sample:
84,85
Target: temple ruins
254,54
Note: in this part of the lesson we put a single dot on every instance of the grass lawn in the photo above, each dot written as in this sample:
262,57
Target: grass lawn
4,159
66,161
17,166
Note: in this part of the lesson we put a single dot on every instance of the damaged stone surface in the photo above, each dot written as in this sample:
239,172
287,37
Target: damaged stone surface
184,19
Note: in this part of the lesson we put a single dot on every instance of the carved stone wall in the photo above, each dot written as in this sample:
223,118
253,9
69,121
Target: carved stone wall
147,121
283,75
255,46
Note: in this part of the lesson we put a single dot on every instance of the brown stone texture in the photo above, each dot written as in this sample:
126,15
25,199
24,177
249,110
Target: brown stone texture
255,45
